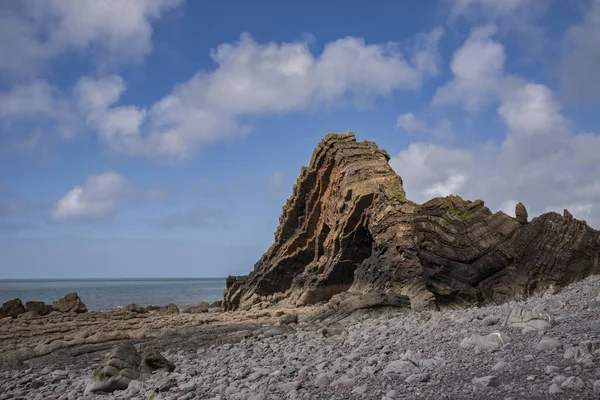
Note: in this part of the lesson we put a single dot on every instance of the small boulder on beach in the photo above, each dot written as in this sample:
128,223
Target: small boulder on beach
170,308
136,308
39,307
12,308
201,307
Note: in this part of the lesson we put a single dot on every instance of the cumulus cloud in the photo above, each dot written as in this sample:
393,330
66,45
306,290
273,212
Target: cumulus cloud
540,161
251,79
98,198
34,32
580,81
198,217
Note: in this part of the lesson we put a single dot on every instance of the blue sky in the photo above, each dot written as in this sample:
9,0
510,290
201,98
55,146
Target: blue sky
156,138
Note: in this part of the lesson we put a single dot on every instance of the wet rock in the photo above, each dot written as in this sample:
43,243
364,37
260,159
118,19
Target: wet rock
118,368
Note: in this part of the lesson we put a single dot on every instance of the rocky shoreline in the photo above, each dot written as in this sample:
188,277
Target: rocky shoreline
545,346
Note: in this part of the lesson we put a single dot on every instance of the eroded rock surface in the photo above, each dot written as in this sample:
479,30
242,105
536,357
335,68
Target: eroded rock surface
349,235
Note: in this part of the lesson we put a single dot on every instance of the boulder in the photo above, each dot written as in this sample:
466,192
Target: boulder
170,308
39,307
117,369
153,308
521,213
12,308
71,303
349,227
136,308
201,307
124,364
216,304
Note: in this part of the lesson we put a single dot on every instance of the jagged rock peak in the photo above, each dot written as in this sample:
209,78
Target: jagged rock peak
349,236
521,213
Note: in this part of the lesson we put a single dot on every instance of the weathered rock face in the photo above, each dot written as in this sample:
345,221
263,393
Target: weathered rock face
349,235
170,308
71,303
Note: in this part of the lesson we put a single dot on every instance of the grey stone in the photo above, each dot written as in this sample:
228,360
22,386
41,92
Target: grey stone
551,369
343,381
501,366
486,381
573,382
490,320
415,378
548,344
400,366
555,389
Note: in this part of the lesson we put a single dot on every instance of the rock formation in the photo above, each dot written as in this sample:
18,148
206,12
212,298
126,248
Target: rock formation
124,364
71,303
201,307
349,235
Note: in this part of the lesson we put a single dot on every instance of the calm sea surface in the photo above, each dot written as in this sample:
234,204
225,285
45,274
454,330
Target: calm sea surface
104,294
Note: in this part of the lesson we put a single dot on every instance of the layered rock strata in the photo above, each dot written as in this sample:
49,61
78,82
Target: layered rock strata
349,235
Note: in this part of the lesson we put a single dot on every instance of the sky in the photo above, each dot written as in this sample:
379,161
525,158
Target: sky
161,138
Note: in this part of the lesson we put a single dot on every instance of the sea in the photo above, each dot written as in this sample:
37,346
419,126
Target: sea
110,294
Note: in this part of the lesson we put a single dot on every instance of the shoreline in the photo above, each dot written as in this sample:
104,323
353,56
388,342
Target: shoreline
531,348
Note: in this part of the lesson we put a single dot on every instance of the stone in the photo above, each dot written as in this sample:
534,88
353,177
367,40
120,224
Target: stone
216,304
490,320
152,360
521,213
548,344
555,389
123,365
343,381
417,378
522,318
136,308
551,369
116,370
501,366
492,341
12,308
71,303
486,381
400,366
596,386
168,309
573,382
350,225
322,380
38,307
286,319
201,307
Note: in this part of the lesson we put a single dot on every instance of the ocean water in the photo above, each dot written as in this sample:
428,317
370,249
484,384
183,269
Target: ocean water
106,294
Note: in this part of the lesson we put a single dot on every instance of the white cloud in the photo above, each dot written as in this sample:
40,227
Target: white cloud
98,198
34,32
580,81
411,124
251,79
540,162
477,67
